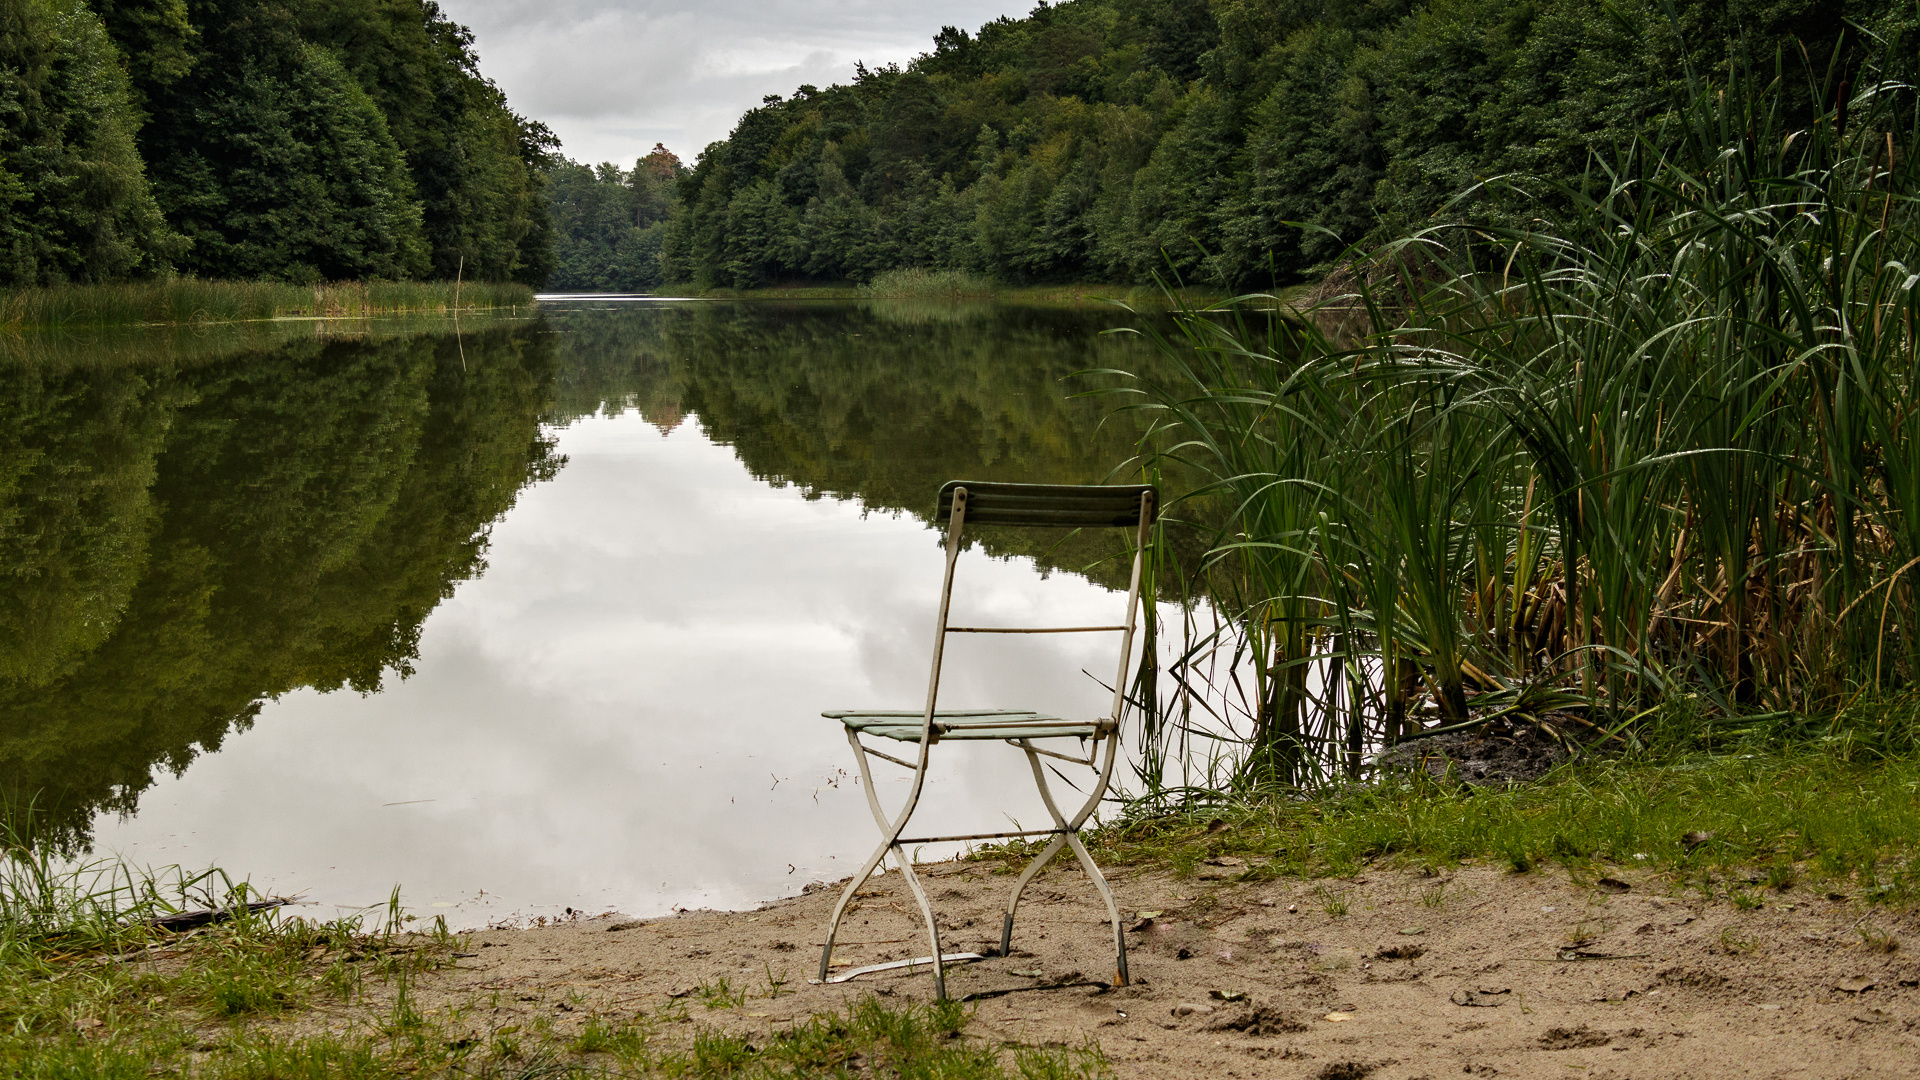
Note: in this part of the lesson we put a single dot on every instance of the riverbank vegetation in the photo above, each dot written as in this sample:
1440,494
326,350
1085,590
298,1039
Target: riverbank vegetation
1646,453
284,140
189,301
1742,812
94,983
609,222
1236,144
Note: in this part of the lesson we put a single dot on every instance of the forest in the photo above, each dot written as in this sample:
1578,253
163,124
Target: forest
290,140
1232,143
609,223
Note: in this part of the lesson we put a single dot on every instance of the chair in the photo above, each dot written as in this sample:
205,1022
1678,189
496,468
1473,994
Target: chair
965,503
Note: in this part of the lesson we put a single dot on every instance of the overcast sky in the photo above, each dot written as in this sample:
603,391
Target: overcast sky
612,78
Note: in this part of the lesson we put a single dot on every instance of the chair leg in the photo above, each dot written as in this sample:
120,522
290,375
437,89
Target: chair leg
891,832
846,897
1013,903
926,912
1070,834
1113,908
888,831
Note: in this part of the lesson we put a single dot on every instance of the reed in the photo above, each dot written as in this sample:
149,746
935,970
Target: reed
1652,447
918,283
191,301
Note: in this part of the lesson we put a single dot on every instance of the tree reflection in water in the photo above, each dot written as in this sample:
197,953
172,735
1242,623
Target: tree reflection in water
186,535
184,541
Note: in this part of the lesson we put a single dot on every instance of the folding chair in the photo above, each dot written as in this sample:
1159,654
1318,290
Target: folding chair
965,503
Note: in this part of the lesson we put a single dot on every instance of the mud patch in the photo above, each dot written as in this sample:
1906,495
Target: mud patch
1261,1021
1580,1037
1495,754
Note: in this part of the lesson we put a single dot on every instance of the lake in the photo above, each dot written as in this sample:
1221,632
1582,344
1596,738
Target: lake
536,615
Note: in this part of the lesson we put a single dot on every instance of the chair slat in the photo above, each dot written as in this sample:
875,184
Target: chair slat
904,724
1048,505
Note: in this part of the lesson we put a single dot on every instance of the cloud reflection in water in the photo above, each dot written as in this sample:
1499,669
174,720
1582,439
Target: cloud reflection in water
599,721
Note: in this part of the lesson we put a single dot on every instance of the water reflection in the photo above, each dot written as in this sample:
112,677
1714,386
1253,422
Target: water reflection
621,711
881,401
184,541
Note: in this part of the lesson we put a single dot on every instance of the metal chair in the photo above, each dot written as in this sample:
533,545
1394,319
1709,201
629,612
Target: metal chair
965,503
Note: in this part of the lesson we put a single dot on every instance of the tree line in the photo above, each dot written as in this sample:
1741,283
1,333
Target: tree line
296,140
609,223
1238,143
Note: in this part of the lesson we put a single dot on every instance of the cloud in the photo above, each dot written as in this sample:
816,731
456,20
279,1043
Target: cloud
611,79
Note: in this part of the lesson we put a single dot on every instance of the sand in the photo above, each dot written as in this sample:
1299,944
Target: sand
1478,972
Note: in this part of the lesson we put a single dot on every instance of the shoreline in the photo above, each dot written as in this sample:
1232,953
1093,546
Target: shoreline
1391,973
1331,939
1072,295
189,302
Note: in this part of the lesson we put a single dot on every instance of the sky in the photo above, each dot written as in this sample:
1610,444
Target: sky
612,78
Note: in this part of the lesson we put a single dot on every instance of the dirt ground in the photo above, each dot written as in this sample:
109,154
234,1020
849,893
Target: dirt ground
1393,974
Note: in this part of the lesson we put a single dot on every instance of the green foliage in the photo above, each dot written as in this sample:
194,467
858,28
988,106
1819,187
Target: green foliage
294,140
475,164
1120,139
197,302
288,171
74,199
609,224
1644,447
918,284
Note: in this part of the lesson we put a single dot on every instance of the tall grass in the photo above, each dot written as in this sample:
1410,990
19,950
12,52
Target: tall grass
1653,449
192,301
917,283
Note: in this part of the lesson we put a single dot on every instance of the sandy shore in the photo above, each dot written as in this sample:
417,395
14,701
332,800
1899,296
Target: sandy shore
1393,974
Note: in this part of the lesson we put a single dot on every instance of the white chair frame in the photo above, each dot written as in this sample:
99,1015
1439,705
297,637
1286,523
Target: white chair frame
1016,504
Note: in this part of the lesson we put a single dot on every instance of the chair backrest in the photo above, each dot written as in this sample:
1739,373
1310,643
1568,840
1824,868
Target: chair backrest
1064,506
1044,506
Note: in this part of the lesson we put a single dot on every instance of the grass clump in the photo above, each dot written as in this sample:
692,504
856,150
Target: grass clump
89,986
916,283
1738,824
1648,443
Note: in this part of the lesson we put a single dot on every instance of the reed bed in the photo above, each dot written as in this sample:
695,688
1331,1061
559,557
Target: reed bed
190,301
1649,453
917,283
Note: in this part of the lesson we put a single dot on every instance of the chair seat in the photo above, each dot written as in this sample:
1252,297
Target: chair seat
904,725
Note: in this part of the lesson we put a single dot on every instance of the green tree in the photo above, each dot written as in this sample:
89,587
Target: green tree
291,174
309,139
610,224
1244,142
75,204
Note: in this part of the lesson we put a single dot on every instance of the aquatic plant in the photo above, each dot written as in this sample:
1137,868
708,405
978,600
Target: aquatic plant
1650,451
192,301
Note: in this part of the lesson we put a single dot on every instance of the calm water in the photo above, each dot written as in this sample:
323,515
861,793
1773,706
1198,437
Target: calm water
540,615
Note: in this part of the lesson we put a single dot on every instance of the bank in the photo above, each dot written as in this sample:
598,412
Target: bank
1712,912
193,301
